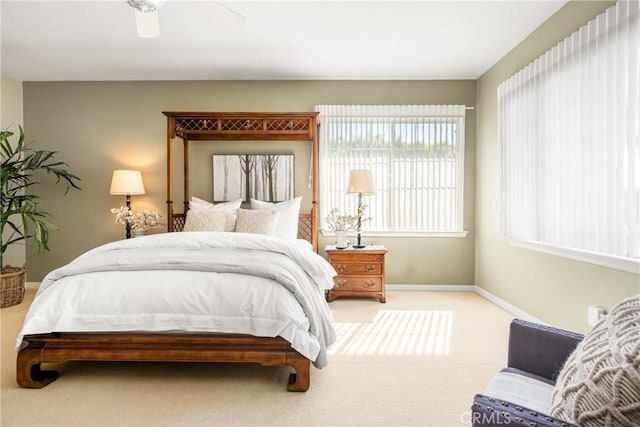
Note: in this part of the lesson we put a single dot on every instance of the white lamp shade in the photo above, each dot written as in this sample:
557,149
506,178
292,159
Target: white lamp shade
361,181
126,182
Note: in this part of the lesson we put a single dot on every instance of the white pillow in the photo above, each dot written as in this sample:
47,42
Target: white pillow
287,225
256,222
206,220
231,207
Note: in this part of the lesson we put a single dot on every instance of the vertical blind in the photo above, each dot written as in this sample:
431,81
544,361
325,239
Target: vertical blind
569,149
416,156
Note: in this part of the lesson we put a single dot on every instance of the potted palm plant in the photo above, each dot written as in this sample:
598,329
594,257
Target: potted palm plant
22,216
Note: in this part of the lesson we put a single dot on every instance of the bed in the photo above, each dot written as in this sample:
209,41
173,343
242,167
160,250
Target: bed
199,344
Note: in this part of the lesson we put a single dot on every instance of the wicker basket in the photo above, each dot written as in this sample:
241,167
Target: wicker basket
12,286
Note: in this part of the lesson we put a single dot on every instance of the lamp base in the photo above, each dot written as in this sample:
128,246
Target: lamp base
359,244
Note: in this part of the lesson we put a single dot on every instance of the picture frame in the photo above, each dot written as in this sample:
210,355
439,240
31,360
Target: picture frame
266,177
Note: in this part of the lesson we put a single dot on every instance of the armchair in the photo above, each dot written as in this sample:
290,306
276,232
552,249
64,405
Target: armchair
521,393
593,380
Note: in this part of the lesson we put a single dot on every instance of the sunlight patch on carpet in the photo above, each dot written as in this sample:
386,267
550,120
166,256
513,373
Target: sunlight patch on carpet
396,332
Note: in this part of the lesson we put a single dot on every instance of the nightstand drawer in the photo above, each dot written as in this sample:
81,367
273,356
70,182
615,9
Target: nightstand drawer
355,256
355,283
358,268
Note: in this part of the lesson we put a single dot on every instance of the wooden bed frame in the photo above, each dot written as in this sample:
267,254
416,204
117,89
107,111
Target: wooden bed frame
190,126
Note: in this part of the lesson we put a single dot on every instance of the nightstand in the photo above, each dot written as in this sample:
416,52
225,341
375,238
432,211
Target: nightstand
360,272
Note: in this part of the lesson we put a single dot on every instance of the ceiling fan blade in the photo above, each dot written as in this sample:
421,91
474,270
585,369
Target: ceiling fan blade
147,24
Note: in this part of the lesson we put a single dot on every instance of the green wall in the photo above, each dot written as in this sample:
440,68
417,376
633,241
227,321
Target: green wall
11,116
554,289
101,126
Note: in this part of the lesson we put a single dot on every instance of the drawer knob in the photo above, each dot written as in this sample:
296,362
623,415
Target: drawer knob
341,268
370,283
341,282
370,267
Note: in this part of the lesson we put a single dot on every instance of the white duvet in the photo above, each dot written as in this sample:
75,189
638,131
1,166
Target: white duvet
193,282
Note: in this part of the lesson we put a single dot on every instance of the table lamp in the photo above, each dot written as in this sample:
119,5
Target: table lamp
127,182
360,183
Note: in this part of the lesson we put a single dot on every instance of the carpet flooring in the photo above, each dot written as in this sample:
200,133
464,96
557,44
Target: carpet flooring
415,361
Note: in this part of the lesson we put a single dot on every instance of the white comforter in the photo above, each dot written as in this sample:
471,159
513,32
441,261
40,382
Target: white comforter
194,282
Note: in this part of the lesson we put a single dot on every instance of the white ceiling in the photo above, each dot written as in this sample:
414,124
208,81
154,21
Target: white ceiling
200,40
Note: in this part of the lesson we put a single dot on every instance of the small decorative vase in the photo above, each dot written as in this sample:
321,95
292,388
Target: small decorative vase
341,239
137,232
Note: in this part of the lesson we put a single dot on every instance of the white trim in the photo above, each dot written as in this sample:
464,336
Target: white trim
512,309
618,263
32,285
372,233
430,288
411,234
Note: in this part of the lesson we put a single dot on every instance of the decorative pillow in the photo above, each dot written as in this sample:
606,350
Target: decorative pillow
256,222
231,207
287,226
206,220
599,385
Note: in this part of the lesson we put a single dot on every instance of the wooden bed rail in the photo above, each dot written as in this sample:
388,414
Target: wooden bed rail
156,347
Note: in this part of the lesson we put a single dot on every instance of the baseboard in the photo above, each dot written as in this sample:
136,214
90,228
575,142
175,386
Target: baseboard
515,311
432,288
32,285
512,309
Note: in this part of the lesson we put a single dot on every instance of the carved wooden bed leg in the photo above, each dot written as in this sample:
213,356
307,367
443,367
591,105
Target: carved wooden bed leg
300,380
63,347
28,372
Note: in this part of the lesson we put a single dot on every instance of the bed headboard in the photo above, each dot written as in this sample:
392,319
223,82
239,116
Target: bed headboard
304,225
229,126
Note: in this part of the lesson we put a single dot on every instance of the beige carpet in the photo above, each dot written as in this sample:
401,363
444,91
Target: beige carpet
415,361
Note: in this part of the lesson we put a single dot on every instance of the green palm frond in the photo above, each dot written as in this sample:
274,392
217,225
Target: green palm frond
20,163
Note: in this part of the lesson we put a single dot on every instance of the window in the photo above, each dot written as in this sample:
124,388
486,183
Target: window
416,156
569,126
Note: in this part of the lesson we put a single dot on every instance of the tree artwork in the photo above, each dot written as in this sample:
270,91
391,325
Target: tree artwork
267,177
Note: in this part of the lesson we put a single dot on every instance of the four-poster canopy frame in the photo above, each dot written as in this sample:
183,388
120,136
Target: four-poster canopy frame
242,126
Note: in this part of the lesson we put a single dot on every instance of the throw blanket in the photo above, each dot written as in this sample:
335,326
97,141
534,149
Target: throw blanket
246,263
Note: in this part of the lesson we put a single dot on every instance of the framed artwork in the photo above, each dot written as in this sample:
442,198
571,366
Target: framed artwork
267,177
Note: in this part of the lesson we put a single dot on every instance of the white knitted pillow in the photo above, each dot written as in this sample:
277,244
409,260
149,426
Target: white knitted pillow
202,205
256,222
206,221
599,385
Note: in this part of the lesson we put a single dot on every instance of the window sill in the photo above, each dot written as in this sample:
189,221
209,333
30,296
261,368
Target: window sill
630,265
449,234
